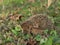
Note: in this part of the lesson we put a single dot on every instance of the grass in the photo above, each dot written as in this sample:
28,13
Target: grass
11,32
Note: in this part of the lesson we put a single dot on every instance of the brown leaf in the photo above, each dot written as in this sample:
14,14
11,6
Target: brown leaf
31,41
49,2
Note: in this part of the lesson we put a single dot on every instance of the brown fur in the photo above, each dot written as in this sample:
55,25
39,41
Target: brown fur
37,24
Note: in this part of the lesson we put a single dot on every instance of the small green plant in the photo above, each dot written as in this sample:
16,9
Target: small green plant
50,40
16,30
37,37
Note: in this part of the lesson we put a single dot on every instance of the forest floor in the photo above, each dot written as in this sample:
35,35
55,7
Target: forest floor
14,12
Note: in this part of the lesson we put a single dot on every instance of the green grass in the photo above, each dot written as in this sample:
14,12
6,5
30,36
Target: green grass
27,9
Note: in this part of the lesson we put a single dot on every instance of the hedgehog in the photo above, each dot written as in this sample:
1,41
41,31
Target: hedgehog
36,24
